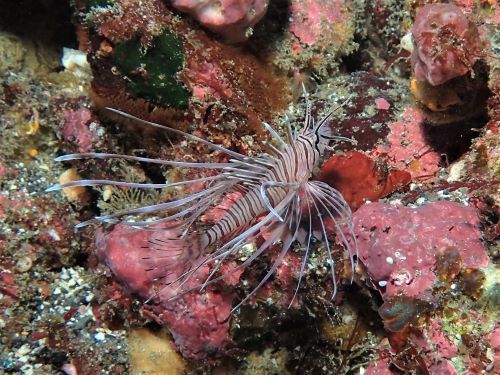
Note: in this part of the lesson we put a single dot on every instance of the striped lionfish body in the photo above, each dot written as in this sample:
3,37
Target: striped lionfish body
276,197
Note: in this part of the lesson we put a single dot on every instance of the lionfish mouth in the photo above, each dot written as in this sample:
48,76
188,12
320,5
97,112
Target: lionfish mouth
277,203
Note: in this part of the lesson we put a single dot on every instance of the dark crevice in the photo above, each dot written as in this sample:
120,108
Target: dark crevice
47,22
453,140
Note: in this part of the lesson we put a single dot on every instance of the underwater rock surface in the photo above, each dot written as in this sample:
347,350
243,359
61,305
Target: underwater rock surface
199,323
399,246
447,44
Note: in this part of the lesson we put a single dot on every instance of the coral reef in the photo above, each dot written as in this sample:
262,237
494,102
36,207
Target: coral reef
216,82
423,279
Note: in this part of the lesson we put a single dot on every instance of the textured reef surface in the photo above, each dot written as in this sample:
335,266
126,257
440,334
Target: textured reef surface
420,171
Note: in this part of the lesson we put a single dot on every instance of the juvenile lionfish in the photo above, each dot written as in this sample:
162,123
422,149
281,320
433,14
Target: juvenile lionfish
278,201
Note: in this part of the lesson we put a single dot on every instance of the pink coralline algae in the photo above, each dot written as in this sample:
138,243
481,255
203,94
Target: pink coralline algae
398,245
233,19
311,19
76,129
207,80
494,339
282,290
437,342
199,322
382,104
435,352
446,44
407,149
379,367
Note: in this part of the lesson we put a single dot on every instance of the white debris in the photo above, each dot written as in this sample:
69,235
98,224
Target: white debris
407,42
75,61
457,171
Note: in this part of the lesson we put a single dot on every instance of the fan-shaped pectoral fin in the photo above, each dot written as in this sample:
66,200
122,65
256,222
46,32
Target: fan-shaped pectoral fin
272,184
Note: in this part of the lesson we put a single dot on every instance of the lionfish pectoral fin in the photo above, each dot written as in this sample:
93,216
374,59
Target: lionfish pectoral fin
176,261
263,193
173,163
335,206
275,135
179,132
302,234
128,184
281,230
309,235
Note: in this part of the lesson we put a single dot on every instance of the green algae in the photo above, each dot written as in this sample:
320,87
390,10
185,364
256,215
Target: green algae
151,71
99,3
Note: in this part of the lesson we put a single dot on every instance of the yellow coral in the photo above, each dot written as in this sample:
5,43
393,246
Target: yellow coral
436,99
153,353
74,193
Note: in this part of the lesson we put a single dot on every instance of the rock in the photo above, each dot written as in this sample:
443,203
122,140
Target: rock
399,245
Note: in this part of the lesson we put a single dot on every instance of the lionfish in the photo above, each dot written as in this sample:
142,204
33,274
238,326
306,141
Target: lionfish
278,201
